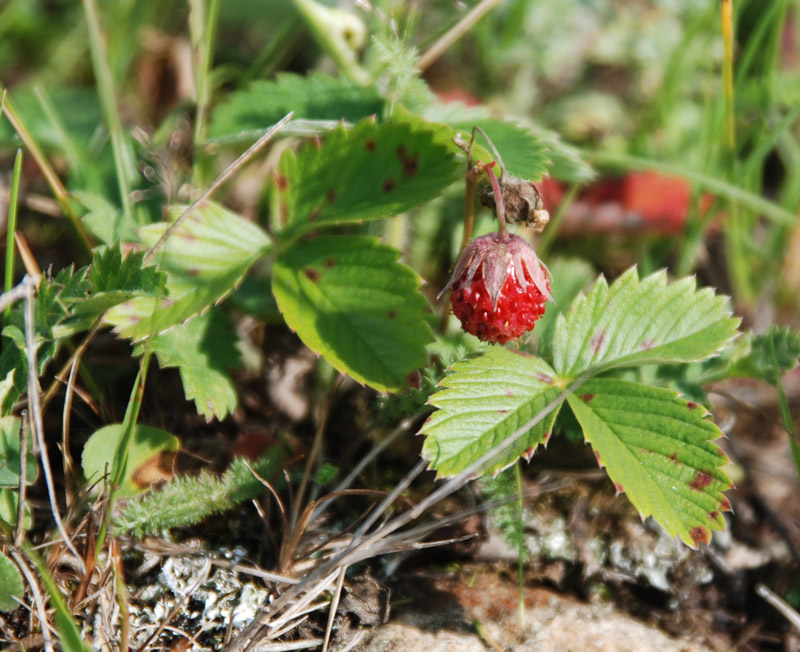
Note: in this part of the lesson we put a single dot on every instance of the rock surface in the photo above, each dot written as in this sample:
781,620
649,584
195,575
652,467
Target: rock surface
479,613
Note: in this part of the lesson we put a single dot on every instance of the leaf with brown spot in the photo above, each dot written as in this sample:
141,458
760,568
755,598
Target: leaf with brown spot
663,454
606,327
377,170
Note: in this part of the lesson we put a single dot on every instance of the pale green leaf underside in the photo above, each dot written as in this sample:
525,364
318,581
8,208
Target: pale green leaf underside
485,400
641,322
659,449
202,349
367,172
349,300
205,258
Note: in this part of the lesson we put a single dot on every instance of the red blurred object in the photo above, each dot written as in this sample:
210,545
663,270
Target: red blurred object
639,202
662,202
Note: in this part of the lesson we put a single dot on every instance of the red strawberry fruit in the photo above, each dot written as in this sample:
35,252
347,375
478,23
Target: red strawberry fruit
499,288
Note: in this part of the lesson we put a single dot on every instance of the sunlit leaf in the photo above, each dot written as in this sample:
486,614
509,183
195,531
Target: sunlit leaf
205,258
658,449
484,401
349,300
641,322
364,173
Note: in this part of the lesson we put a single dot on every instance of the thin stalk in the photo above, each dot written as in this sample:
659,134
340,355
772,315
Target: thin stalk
11,227
23,478
124,163
60,192
498,200
315,449
35,413
726,17
120,462
786,415
456,32
325,26
550,233
203,27
522,550
715,186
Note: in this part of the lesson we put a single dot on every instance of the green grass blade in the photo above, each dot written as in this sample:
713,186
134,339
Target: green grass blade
11,228
718,187
68,632
124,162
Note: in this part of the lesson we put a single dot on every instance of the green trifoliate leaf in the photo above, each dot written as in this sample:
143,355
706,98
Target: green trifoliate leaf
205,258
658,449
641,322
10,585
350,301
364,173
316,97
202,349
485,400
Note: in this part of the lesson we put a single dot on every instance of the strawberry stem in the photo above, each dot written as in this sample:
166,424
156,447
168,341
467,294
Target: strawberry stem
498,200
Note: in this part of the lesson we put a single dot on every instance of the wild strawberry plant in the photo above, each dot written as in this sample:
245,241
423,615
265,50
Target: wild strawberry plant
313,261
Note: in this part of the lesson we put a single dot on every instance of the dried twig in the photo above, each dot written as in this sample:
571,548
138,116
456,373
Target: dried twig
780,604
37,599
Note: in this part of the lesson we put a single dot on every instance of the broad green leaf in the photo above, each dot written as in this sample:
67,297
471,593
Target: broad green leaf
9,455
658,449
485,400
364,173
524,155
11,585
205,258
149,457
315,97
640,322
202,349
349,300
